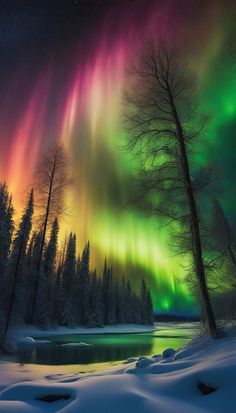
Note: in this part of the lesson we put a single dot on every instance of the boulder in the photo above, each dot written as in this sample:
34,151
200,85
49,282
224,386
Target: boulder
143,362
168,353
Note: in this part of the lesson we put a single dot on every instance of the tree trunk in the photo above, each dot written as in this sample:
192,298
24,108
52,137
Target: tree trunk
195,231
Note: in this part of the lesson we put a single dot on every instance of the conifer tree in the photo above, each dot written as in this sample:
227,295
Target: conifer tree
84,281
61,259
108,301
49,259
121,303
58,282
45,303
137,309
117,293
143,296
128,303
6,226
13,280
95,315
146,305
31,272
149,306
67,283
68,294
28,284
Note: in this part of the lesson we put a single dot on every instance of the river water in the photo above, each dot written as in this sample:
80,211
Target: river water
104,348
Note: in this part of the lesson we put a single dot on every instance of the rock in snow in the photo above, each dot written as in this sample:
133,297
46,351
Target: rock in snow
169,352
130,360
143,362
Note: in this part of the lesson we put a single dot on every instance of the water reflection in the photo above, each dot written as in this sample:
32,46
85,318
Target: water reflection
104,348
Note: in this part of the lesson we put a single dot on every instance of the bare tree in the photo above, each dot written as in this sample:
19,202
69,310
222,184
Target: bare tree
160,116
52,180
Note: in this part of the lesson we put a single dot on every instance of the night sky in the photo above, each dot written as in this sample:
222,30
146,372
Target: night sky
62,73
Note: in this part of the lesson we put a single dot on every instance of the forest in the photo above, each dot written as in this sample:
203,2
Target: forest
49,287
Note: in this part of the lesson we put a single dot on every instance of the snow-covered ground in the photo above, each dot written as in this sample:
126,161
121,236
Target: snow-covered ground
157,384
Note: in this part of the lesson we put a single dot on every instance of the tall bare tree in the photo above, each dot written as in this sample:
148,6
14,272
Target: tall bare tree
160,116
52,180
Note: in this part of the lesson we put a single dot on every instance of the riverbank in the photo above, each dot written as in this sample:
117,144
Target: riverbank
33,331
198,378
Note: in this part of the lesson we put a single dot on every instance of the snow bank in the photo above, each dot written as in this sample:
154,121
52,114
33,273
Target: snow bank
33,331
26,340
148,385
31,341
80,344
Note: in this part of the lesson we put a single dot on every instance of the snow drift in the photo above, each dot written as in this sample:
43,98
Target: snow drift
156,384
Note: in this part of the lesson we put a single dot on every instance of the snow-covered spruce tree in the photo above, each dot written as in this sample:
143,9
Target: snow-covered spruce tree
136,308
115,298
31,272
117,293
149,306
58,275
66,314
76,292
143,296
99,302
128,303
44,312
61,260
95,315
146,314
28,285
6,227
107,292
13,292
83,286
58,294
121,302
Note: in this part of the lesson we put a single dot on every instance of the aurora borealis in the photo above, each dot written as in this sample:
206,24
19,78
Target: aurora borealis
63,70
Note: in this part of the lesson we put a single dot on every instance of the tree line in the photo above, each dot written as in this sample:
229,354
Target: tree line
62,290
